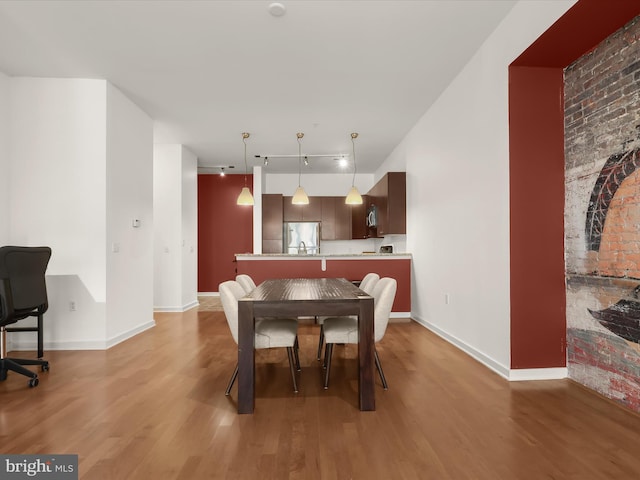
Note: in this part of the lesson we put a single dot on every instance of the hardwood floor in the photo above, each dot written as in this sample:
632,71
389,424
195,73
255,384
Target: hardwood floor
154,407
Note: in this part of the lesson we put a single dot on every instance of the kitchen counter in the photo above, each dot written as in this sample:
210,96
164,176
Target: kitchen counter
350,266
332,256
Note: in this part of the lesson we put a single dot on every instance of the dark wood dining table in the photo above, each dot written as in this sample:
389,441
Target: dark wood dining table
297,297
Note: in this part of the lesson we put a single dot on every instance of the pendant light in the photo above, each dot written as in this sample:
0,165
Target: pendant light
300,196
245,197
353,197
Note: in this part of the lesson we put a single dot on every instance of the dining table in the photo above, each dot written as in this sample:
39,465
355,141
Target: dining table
300,297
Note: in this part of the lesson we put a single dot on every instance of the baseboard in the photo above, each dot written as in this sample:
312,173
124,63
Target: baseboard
513,375
466,348
130,333
82,344
555,373
208,294
181,309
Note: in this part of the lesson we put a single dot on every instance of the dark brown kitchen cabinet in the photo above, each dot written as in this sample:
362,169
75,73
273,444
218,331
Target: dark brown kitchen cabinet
359,228
328,225
336,219
343,219
390,198
272,216
339,221
302,213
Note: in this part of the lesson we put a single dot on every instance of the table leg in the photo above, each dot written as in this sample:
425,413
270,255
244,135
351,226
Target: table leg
246,357
366,349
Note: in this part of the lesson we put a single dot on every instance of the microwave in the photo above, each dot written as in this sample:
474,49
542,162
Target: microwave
372,216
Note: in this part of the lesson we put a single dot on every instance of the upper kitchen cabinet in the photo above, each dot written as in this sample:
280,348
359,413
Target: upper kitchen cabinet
359,228
389,196
336,219
272,223
302,213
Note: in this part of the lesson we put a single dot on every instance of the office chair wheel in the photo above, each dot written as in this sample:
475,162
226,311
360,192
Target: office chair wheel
45,367
33,382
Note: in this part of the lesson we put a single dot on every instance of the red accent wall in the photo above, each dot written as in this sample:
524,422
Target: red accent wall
536,163
224,228
400,269
538,326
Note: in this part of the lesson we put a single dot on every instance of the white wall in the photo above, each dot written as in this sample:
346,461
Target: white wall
457,163
129,190
80,158
167,202
58,191
189,229
4,159
175,228
259,181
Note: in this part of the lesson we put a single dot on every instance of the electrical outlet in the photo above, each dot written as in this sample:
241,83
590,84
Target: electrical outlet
447,299
72,306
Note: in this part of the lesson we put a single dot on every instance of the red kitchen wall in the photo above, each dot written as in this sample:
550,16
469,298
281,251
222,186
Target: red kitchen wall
224,228
536,163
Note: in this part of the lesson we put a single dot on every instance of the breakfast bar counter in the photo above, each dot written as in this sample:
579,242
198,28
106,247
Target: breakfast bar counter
350,266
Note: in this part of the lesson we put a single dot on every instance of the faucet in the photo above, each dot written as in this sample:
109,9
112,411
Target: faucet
302,247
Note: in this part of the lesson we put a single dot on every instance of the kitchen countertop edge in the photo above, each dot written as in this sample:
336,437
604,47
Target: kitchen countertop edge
329,256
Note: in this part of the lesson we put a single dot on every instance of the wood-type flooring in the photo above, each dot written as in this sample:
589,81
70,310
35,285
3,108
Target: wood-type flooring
153,407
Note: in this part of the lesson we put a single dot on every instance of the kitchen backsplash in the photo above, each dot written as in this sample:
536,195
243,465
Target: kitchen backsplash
336,247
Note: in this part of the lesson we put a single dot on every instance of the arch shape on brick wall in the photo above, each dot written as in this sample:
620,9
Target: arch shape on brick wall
615,170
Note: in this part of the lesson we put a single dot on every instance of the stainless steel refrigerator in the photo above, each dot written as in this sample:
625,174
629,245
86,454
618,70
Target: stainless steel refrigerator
302,238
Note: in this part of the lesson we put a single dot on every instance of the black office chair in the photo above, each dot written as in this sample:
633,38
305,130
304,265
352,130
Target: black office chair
23,294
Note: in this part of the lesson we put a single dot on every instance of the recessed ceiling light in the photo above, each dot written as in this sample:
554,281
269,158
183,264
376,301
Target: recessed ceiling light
277,9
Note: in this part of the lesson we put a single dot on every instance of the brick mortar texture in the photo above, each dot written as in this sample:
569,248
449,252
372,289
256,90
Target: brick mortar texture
602,120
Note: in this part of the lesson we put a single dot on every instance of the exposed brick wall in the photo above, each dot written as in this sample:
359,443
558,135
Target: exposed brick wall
619,254
602,216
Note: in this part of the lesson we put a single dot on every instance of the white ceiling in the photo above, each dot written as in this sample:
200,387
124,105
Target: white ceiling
206,71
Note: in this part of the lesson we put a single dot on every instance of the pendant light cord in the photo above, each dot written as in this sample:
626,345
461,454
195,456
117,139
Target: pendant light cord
244,140
245,135
299,136
353,144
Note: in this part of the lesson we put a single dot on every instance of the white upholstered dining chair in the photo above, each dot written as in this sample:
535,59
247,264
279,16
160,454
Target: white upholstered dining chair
246,282
345,329
269,333
366,285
